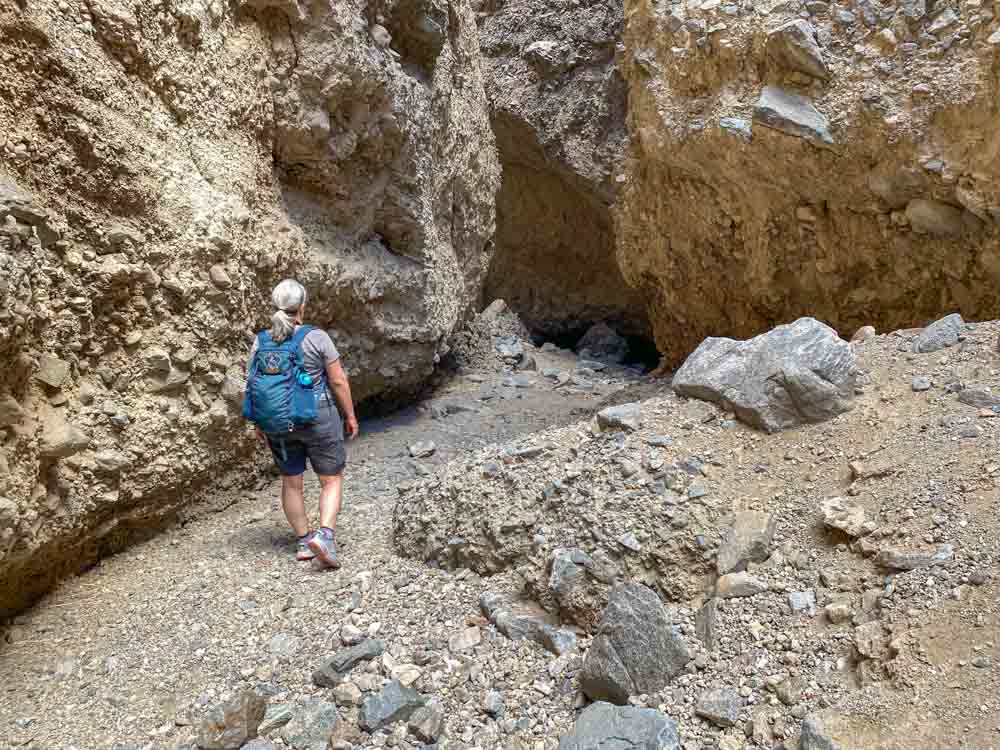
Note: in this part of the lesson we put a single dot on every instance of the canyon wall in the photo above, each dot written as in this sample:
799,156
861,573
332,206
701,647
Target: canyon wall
162,165
792,158
558,108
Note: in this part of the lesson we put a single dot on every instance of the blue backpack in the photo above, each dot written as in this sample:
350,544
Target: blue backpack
280,395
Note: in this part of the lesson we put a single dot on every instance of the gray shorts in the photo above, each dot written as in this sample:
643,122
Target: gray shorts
322,443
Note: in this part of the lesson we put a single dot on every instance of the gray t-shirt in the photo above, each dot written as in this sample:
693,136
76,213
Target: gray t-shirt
317,352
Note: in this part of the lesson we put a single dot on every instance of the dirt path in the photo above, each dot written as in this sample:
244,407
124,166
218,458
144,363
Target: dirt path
130,653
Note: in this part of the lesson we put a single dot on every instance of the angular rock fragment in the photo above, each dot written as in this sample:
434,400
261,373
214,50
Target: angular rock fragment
52,371
794,47
720,706
900,559
394,703
748,539
311,725
332,671
978,397
522,620
427,722
625,417
939,219
231,723
939,335
602,726
61,439
636,648
795,374
839,513
736,585
792,114
10,411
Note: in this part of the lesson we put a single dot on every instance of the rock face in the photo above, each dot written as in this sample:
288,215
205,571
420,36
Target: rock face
189,159
636,649
602,726
807,159
793,375
558,110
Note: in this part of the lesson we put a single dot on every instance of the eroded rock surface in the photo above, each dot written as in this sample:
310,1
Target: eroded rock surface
821,159
558,110
162,168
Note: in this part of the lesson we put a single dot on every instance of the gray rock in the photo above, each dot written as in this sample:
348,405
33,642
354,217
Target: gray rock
332,671
524,621
394,703
510,348
231,723
802,602
157,360
427,722
899,559
311,725
840,513
720,706
636,648
630,542
919,384
258,744
423,449
275,716
978,397
738,127
706,623
792,114
603,343
865,333
940,334
61,439
172,381
736,585
914,10
794,47
944,20
602,726
748,539
493,704
794,374
939,219
52,371
624,417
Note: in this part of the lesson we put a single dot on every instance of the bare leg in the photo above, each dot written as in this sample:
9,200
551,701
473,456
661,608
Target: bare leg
293,503
329,499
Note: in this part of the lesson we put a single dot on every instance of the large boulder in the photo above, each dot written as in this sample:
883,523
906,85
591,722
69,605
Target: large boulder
795,374
636,648
602,726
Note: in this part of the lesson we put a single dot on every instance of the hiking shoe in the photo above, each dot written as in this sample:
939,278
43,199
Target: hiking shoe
325,549
304,552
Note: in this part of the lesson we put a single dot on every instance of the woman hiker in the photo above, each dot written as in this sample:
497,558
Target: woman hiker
322,439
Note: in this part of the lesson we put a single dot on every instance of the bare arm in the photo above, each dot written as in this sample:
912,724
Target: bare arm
341,388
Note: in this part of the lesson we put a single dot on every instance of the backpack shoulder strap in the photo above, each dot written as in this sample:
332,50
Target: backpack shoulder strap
264,339
300,335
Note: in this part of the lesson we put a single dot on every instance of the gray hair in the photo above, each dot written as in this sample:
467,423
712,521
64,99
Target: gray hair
287,297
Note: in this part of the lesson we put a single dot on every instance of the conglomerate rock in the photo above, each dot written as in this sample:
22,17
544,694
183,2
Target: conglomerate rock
162,166
823,159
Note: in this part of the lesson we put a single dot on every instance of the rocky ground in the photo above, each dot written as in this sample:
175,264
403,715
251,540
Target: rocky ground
869,621
133,652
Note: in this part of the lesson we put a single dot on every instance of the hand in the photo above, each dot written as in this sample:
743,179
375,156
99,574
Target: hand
351,425
261,438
